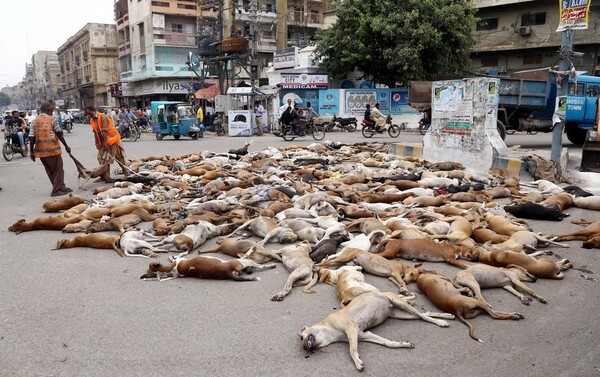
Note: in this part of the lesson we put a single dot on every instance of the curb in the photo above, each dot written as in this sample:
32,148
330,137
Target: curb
409,149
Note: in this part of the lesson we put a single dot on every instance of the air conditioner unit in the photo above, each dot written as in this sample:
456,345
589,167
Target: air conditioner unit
525,31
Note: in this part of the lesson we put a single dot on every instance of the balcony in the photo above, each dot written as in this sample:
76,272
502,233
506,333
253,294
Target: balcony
298,18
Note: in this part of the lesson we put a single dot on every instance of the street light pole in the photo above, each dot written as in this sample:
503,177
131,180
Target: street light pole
566,49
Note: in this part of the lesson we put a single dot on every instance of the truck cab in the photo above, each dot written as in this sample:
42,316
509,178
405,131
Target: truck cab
582,102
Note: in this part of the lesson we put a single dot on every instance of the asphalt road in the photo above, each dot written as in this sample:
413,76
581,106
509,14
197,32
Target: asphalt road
84,312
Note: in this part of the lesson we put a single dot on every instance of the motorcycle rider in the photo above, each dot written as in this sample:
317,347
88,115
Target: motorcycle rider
16,126
378,118
66,117
367,117
298,120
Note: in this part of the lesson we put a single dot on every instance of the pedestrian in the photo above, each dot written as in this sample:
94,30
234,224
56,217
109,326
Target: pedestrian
200,116
285,106
43,140
16,126
108,143
259,110
30,117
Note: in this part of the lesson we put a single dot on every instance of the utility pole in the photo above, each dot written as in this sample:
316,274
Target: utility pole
566,49
253,65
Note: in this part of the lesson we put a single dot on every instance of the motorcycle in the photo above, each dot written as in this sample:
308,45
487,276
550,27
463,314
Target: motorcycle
347,124
67,125
288,133
144,125
11,146
369,128
424,125
129,130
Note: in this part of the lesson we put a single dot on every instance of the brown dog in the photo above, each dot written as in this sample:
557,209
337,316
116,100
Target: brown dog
95,241
591,231
541,268
446,296
204,268
62,204
483,235
44,223
425,250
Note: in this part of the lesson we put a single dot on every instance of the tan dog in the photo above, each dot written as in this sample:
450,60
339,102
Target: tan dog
460,230
540,268
558,202
483,235
483,276
245,249
119,224
270,230
63,203
443,294
587,202
81,226
349,324
425,250
526,240
76,210
125,209
591,231
204,268
372,263
95,241
503,225
297,261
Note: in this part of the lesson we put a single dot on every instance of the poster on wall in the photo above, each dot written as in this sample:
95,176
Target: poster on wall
461,120
329,102
399,100
383,98
573,14
447,97
240,122
356,100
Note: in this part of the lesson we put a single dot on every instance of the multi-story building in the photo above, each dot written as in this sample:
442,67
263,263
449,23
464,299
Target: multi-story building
515,35
155,38
45,75
88,61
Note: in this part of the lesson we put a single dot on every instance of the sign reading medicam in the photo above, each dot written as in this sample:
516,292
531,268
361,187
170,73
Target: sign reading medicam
285,58
304,81
573,14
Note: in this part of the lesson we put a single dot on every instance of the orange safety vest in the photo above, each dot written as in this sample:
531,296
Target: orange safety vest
112,134
46,142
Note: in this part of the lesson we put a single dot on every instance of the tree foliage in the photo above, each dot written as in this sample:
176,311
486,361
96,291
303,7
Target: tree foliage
395,41
4,99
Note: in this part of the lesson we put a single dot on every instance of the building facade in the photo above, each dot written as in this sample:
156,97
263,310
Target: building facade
514,35
155,38
88,61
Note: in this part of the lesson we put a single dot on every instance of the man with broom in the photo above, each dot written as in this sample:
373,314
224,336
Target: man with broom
108,143
43,140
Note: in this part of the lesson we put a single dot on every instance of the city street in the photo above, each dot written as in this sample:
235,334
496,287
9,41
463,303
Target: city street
85,312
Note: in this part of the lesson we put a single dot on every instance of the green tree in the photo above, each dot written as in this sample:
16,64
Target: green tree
4,99
394,41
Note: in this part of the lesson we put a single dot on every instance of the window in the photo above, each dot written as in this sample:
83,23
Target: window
576,89
533,19
533,59
186,6
593,90
143,61
177,28
489,62
489,24
160,4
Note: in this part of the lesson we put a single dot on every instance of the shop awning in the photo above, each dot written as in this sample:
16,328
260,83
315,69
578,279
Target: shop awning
208,92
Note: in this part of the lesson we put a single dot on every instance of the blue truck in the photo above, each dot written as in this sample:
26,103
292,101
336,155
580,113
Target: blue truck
582,105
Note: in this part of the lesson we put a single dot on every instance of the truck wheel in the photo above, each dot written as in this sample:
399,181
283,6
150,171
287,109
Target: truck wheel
575,134
501,129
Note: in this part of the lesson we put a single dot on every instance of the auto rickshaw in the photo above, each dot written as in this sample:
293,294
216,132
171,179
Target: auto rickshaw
174,119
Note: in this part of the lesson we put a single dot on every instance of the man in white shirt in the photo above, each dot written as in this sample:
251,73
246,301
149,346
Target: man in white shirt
285,106
259,110
30,117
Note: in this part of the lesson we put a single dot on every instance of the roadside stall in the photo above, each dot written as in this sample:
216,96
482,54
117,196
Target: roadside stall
241,121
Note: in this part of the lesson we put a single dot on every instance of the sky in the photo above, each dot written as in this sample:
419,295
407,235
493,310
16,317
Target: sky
28,26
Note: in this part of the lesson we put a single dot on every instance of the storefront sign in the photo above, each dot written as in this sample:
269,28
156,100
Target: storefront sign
573,14
285,58
304,81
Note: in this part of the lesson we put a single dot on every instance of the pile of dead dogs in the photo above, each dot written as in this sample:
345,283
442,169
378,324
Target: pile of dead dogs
342,210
